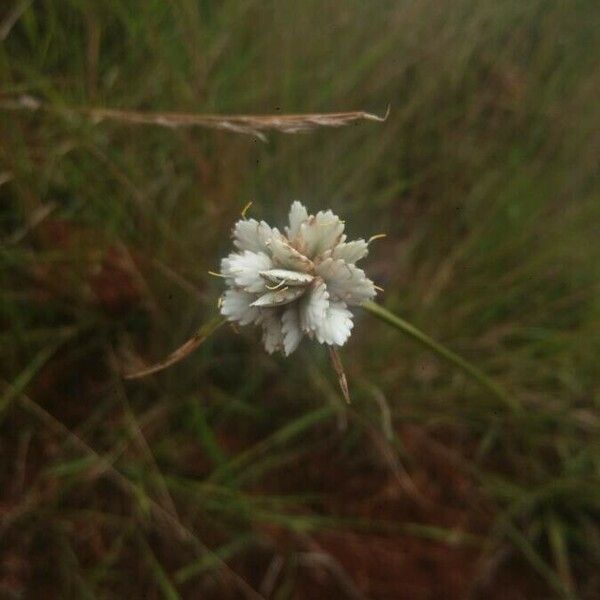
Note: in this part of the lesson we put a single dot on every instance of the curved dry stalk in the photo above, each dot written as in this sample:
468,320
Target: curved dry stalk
185,350
255,125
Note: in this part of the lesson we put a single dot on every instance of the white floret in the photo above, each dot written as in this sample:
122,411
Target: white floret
350,252
290,327
313,307
320,233
249,234
272,333
346,282
245,268
337,325
298,214
237,306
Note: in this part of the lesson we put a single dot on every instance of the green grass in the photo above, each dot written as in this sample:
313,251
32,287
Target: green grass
233,464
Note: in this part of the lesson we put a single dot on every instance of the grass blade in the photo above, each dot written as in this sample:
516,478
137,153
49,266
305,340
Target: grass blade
448,355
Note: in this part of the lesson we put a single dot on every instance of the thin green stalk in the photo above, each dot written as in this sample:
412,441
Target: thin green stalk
471,370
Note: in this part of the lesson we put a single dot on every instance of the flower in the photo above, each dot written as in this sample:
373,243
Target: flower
296,284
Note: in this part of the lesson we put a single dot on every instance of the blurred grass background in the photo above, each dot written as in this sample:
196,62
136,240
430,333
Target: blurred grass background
237,474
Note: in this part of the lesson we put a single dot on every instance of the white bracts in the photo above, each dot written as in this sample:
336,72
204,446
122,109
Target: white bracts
296,284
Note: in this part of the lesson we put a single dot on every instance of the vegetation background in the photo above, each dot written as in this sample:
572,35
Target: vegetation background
237,474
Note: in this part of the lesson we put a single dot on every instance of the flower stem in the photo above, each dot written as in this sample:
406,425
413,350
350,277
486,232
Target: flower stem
471,370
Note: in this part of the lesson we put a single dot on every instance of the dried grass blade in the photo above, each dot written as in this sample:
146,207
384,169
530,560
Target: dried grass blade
252,124
255,125
336,361
185,350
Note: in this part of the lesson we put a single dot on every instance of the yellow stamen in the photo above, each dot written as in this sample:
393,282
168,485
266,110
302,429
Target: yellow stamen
245,209
217,274
276,287
379,288
379,236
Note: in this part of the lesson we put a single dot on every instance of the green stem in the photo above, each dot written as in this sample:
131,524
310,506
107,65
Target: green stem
472,371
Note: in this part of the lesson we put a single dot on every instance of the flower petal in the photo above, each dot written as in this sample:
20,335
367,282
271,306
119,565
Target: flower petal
236,305
249,234
272,333
244,269
313,306
279,297
320,233
336,326
290,326
226,269
350,252
298,214
346,282
287,257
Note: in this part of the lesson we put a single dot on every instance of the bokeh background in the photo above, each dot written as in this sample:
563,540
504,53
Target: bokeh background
238,474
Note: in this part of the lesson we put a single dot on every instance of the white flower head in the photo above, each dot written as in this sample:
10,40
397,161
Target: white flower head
296,284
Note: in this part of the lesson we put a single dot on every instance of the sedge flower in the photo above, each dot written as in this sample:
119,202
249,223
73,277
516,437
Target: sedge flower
295,284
